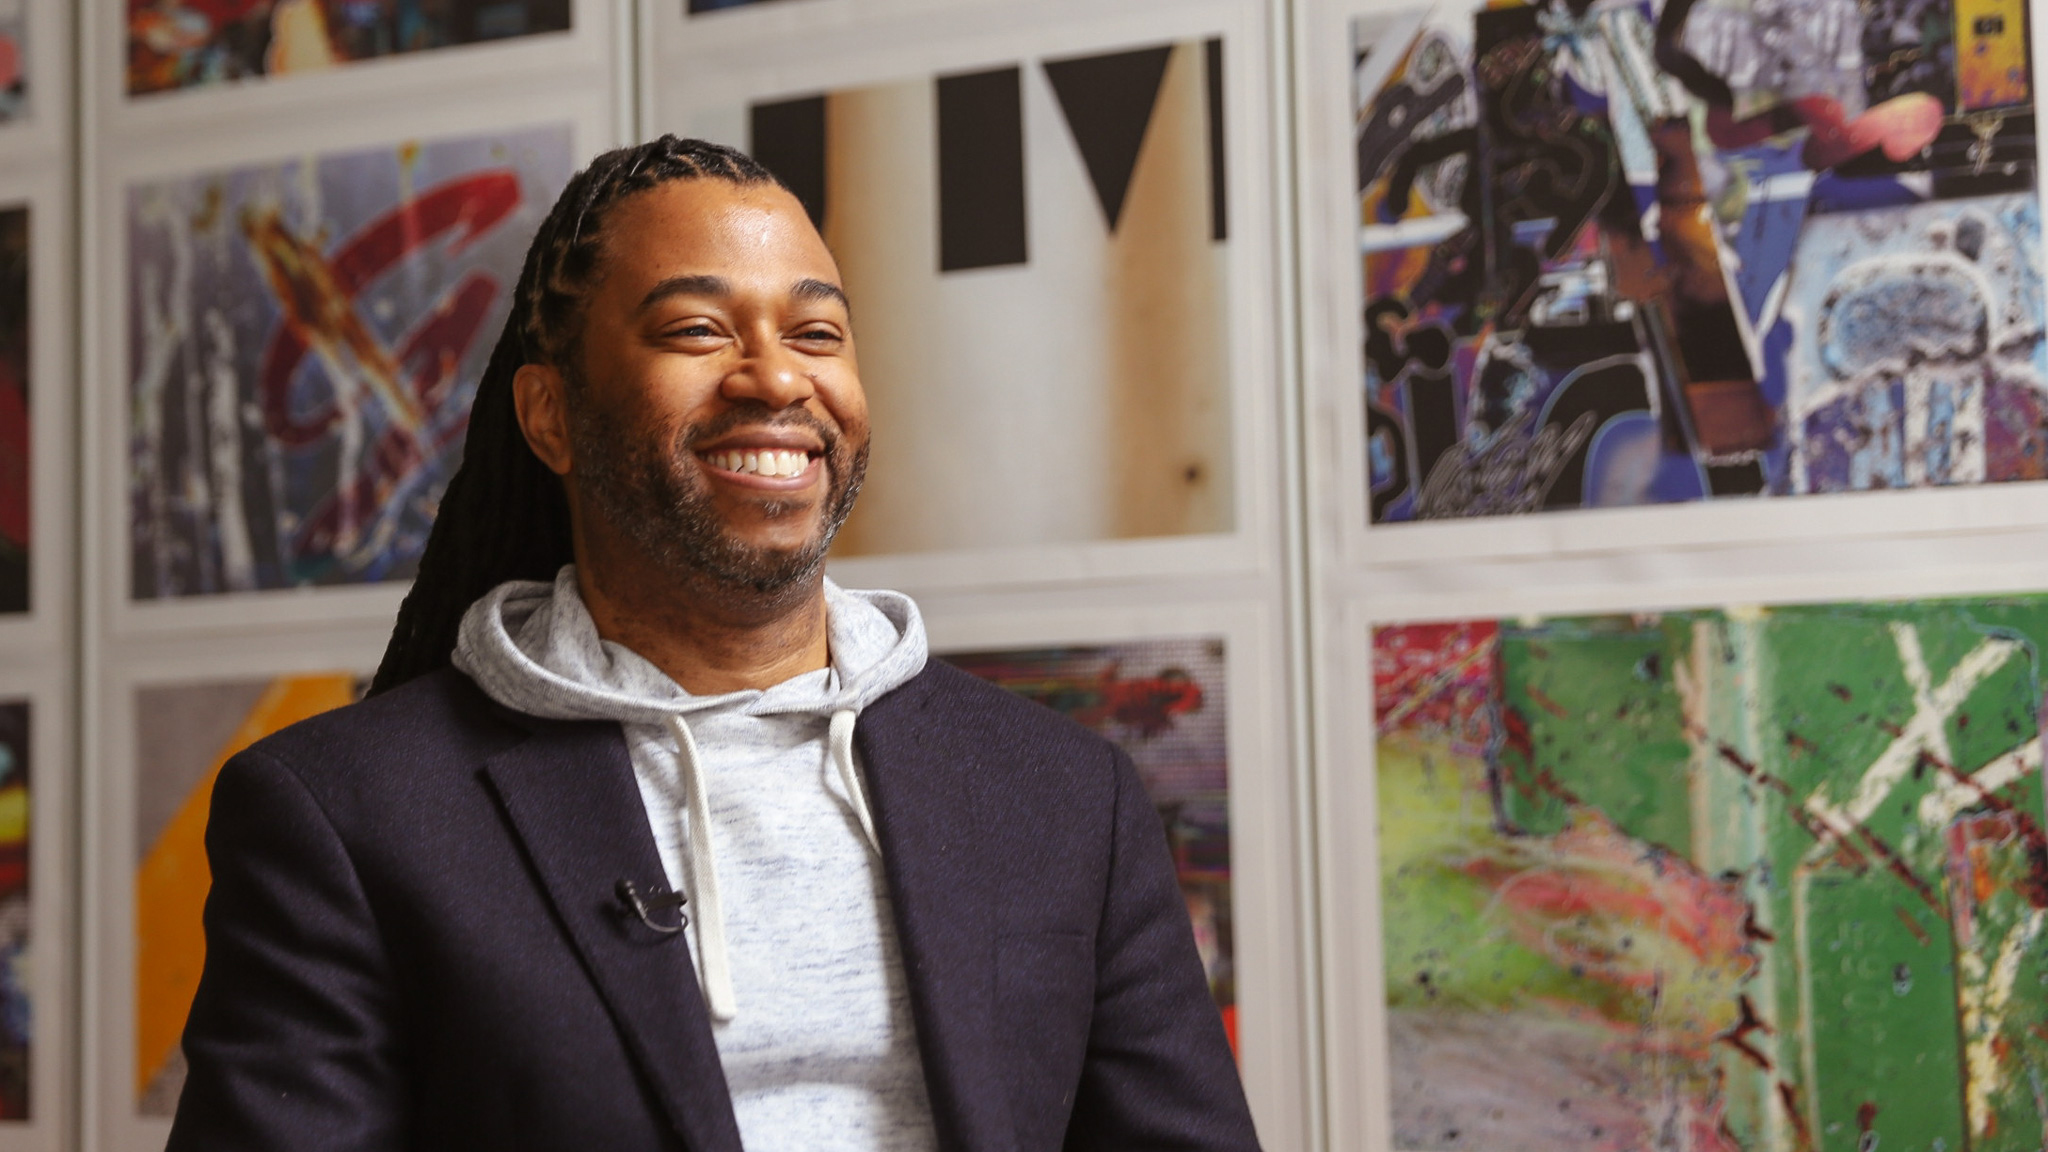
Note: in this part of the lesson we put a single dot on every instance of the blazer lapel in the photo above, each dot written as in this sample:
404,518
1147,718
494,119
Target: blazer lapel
570,794
929,816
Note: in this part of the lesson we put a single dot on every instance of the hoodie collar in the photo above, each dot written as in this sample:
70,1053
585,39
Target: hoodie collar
533,647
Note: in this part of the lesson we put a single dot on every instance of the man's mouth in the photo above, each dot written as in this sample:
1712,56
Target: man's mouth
770,463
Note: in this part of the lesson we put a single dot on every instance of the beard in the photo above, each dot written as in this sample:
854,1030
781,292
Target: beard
653,491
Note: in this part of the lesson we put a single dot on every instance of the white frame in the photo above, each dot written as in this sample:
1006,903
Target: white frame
1267,929
880,49
587,108
1334,374
420,80
42,133
44,189
108,1103
53,1070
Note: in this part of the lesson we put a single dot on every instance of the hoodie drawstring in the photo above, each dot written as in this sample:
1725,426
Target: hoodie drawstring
840,742
710,918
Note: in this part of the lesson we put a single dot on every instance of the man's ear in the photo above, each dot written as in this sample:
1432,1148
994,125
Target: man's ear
540,399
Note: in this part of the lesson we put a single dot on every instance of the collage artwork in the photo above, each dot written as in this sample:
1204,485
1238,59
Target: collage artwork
1762,879
1162,702
304,340
1617,253
175,44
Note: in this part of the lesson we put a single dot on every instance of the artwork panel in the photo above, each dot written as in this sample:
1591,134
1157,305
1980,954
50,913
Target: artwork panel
973,212
182,44
1594,246
304,339
186,733
1163,702
17,434
14,60
17,1009
1762,878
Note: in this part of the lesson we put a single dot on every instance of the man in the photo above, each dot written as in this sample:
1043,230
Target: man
909,911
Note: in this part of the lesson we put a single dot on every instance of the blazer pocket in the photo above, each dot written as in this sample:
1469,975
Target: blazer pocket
1045,998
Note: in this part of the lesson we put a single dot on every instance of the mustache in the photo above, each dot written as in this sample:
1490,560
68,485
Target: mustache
732,421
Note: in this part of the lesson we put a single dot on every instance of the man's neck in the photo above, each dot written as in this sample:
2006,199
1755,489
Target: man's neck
706,638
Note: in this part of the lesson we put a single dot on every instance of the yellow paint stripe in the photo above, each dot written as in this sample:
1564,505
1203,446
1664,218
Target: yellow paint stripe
171,884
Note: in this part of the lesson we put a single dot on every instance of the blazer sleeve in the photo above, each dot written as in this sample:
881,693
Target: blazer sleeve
1159,1073
291,1043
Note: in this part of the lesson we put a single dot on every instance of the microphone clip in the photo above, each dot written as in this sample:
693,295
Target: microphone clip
639,905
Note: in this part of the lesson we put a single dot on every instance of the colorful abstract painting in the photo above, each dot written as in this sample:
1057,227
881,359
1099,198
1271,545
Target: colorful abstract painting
13,59
1746,879
1618,254
15,1004
176,44
16,433
184,733
1078,195
1163,703
304,339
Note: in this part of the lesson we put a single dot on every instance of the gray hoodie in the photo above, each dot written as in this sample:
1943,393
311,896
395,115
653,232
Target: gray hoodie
757,807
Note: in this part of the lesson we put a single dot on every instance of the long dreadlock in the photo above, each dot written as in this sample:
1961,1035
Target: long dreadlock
504,515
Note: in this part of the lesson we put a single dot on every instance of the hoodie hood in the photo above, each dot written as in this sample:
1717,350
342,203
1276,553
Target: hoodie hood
533,647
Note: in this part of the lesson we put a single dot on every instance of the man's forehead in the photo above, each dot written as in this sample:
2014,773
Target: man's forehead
712,237
804,290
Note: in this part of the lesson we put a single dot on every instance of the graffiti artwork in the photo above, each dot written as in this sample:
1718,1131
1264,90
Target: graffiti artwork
186,732
176,44
304,341
16,434
1749,879
1616,254
1162,701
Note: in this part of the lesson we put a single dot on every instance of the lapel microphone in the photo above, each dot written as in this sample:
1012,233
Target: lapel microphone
632,901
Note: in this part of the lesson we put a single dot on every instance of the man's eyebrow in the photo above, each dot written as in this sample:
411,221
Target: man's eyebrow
808,290
685,286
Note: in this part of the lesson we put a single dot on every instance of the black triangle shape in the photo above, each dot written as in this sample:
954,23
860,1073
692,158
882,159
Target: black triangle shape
1108,103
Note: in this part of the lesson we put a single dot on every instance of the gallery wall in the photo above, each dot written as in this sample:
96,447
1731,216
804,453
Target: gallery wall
1549,497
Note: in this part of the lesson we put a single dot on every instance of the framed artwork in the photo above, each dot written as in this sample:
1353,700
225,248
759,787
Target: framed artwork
174,714
1734,195
352,299
1187,687
182,44
300,337
36,997
1751,877
159,65
35,84
1071,180
36,493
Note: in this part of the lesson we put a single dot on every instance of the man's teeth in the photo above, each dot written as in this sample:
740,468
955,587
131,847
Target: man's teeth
774,463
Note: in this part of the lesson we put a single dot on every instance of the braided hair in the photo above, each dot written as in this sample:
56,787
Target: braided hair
504,515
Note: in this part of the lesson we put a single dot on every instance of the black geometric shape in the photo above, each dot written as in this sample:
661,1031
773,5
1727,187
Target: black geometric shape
1219,206
981,170
788,138
1108,102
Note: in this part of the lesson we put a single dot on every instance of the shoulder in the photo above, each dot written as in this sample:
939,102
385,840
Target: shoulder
994,717
439,718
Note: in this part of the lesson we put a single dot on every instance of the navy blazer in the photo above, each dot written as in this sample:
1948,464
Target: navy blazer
414,942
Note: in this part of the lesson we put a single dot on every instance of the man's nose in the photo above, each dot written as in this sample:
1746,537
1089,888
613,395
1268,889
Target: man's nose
771,375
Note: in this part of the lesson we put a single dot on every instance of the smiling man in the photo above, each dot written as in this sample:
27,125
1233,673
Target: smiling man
650,836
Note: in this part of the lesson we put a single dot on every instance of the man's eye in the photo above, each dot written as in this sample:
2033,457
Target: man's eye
693,332
818,336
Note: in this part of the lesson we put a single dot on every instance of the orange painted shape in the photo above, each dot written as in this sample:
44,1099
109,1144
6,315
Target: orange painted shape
171,884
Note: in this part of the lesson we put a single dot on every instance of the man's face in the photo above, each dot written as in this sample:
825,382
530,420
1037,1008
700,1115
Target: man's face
715,417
